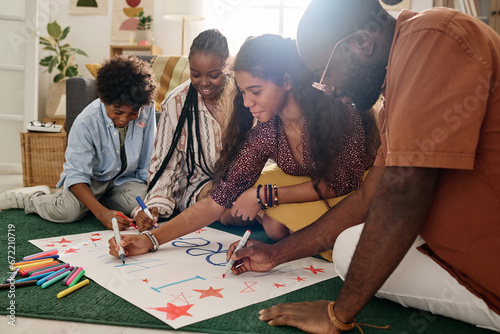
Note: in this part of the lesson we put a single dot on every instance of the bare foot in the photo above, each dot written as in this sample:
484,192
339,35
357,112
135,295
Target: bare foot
311,317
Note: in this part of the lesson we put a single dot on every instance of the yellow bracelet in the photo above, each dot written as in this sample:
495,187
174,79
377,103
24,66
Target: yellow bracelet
336,322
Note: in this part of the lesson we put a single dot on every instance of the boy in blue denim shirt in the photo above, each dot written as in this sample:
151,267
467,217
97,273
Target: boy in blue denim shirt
108,153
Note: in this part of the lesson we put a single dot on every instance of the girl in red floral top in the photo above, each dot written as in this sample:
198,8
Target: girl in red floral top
304,132
310,136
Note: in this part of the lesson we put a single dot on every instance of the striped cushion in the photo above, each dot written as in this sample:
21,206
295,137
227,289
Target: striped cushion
170,72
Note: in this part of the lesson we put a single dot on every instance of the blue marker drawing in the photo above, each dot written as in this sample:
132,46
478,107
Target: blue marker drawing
198,251
140,264
276,271
189,279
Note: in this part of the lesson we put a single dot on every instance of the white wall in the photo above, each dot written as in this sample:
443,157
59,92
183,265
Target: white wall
417,6
92,33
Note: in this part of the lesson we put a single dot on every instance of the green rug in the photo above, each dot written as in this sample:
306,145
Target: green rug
94,304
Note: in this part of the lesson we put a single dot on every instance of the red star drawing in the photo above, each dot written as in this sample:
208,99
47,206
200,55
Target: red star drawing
71,250
51,245
210,292
314,270
95,239
85,245
64,246
200,230
95,234
145,280
63,241
280,285
173,311
299,279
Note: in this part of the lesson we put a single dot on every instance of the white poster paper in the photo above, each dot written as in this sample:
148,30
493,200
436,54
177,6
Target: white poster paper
182,282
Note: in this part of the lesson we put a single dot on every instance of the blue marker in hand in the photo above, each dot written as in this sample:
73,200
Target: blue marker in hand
145,208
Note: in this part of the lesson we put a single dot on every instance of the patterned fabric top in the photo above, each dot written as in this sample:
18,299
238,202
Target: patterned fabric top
172,189
267,141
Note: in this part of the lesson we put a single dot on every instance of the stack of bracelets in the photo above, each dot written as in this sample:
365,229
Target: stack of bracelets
269,199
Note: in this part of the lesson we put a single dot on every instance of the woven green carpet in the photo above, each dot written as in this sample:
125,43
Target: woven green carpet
94,304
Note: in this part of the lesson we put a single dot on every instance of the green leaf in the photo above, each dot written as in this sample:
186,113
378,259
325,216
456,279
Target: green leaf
58,77
53,63
49,48
46,41
54,30
81,52
64,33
71,71
46,61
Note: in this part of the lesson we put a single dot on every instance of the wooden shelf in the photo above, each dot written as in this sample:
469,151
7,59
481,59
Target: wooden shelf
118,49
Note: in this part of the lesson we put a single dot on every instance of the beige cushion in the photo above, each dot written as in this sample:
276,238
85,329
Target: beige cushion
93,68
170,72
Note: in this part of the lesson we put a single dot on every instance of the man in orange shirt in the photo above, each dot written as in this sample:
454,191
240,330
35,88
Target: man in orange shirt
436,181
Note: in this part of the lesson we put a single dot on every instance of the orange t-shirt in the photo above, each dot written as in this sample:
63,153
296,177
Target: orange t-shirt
442,110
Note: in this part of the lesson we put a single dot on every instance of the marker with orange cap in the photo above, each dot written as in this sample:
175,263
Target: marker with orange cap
28,271
49,252
118,213
242,243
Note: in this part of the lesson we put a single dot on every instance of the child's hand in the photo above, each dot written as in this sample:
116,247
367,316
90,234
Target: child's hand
106,217
143,222
124,220
132,245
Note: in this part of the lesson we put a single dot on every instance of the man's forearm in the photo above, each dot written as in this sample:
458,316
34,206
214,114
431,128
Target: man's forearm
395,218
321,235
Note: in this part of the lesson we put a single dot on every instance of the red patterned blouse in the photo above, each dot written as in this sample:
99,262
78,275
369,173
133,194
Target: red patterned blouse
267,141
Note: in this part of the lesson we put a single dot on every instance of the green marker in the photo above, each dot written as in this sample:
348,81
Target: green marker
77,278
55,279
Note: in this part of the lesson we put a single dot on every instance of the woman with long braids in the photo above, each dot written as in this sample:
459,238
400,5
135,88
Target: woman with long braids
308,135
188,140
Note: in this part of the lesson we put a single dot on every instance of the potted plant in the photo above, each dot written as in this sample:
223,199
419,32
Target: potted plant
143,33
64,57
63,60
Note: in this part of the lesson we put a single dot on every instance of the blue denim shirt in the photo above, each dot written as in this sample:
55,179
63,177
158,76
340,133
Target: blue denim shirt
93,150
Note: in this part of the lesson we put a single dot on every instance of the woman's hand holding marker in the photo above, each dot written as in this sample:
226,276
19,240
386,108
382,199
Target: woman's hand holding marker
132,245
146,219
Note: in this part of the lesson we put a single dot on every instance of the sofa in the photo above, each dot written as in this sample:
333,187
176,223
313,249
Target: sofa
169,71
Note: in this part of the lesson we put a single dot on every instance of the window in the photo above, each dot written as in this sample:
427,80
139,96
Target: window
239,19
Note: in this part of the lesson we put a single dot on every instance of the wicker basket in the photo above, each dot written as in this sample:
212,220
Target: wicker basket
43,157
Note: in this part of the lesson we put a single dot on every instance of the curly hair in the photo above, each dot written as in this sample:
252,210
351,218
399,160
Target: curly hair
274,58
126,80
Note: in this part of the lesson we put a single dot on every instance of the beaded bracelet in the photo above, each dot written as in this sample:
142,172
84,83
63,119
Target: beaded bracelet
153,239
265,195
262,206
270,198
275,187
